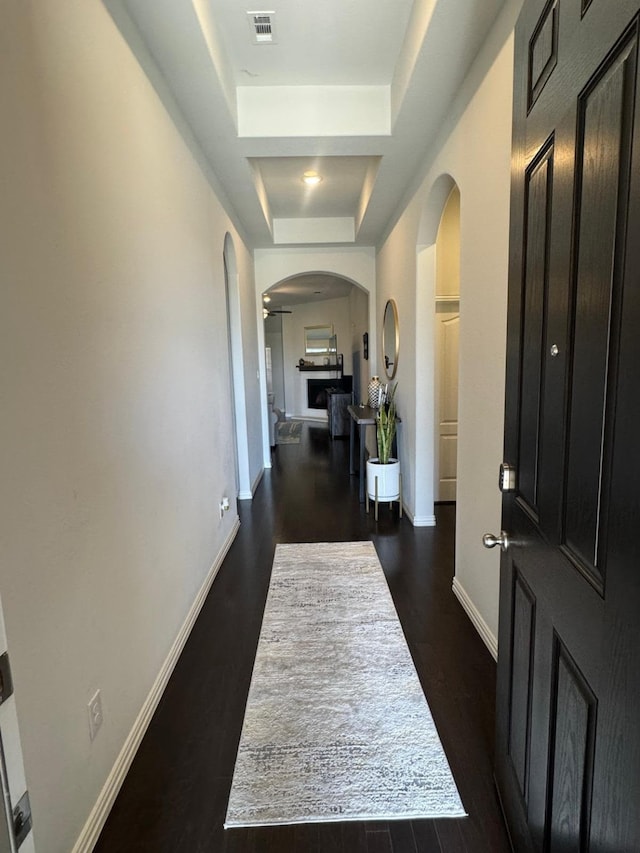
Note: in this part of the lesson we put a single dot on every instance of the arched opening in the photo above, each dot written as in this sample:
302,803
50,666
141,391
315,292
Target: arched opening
300,305
431,389
275,269
447,328
236,370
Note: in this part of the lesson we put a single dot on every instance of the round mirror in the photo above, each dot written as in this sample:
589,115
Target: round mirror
390,338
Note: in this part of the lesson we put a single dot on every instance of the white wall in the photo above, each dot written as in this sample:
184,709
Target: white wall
474,149
448,248
118,444
334,312
359,315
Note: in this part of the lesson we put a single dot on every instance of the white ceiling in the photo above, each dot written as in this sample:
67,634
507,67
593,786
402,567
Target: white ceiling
355,89
310,287
332,42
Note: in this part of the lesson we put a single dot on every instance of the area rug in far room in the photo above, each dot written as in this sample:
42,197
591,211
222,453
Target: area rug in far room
336,726
288,432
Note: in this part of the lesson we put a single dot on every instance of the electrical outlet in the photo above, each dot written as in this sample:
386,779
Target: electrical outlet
94,708
224,506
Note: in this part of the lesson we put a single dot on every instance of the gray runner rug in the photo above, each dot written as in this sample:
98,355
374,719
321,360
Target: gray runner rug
336,726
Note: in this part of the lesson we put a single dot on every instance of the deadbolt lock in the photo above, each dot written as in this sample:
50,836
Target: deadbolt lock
507,479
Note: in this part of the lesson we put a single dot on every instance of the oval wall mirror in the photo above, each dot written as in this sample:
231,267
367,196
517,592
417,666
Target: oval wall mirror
390,338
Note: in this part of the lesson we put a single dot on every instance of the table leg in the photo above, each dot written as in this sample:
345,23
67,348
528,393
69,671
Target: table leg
352,443
362,465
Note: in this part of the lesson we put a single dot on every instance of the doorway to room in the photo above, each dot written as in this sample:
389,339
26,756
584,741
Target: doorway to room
447,329
437,338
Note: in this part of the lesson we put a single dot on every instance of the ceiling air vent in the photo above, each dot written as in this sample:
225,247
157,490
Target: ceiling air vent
262,26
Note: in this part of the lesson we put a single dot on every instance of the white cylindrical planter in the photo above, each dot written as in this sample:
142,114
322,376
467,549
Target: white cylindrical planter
388,477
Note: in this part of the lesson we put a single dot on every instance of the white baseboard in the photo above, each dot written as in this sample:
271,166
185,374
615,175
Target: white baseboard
256,482
245,495
419,520
93,827
473,613
424,521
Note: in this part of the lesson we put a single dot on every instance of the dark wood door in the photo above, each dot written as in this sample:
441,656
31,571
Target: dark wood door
568,738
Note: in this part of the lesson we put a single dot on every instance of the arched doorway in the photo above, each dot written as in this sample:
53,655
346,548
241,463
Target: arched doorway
236,370
273,267
311,300
428,338
447,329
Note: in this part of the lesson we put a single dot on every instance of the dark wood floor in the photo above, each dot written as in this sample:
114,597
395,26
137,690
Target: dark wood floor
175,796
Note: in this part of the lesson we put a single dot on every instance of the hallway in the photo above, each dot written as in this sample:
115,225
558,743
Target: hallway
175,795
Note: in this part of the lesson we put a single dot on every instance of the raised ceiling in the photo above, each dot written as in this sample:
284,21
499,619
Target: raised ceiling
316,44
355,89
309,287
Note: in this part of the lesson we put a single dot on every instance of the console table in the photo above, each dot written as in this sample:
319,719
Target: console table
361,417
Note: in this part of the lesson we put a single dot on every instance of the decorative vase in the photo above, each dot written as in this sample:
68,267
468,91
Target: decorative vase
374,392
387,477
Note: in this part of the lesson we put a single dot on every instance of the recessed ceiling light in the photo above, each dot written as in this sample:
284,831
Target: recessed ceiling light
266,298
311,178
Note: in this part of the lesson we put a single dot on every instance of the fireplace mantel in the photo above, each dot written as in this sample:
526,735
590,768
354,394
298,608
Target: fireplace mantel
322,368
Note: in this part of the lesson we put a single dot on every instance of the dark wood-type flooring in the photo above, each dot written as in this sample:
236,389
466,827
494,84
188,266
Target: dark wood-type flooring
175,796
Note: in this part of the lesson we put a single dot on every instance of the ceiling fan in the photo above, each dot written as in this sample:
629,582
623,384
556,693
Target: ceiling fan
271,312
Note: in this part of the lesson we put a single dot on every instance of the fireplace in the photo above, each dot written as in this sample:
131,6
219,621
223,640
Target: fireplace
317,390
317,393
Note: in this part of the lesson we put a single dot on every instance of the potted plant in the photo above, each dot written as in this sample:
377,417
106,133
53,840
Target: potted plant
383,471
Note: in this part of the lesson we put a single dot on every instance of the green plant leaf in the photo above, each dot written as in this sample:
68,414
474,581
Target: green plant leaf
386,423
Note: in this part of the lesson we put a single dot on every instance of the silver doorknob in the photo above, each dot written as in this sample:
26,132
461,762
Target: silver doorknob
489,540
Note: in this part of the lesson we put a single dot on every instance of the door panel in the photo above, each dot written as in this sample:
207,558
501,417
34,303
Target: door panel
567,764
543,51
538,189
605,122
522,644
447,342
571,754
